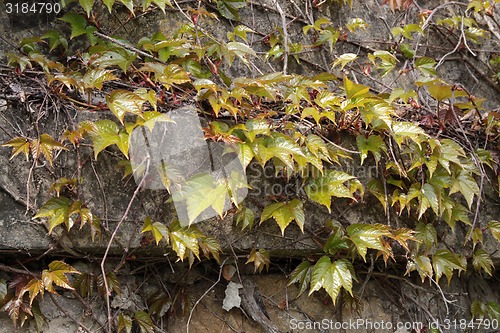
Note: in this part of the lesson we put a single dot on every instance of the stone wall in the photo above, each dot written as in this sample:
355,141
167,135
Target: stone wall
386,296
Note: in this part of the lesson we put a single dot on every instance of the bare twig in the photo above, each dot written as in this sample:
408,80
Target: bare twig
367,278
103,194
128,47
9,269
461,38
285,36
28,183
429,20
205,294
113,235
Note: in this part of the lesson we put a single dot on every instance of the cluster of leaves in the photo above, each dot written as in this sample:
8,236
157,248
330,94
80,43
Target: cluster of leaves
185,241
282,120
21,303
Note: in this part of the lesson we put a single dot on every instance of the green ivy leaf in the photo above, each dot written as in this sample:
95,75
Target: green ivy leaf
285,213
403,95
407,50
159,303
245,154
332,183
336,242
60,183
376,187
3,290
477,237
426,234
109,4
106,133
129,4
387,61
428,198
241,31
124,323
40,319
344,59
257,127
302,275
426,66
421,264
150,119
158,229
494,227
144,321
57,210
466,184
78,24
55,39
311,112
454,211
240,50
331,277
183,239
121,102
202,192
374,144
445,262
245,217
439,91
160,3
229,8
368,236
316,145
279,146
94,78
205,84
87,6
481,260
210,246
319,273
120,58
328,36
166,74
483,309
112,281
355,90
355,24
86,216
84,284
408,131
451,151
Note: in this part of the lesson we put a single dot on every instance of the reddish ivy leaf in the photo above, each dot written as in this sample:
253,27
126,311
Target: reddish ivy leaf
260,259
56,274
19,145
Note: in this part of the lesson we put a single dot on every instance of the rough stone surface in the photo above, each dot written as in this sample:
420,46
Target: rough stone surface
386,301
385,297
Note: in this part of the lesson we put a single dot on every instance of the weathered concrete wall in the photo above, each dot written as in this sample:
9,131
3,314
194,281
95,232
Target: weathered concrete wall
385,297
387,301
